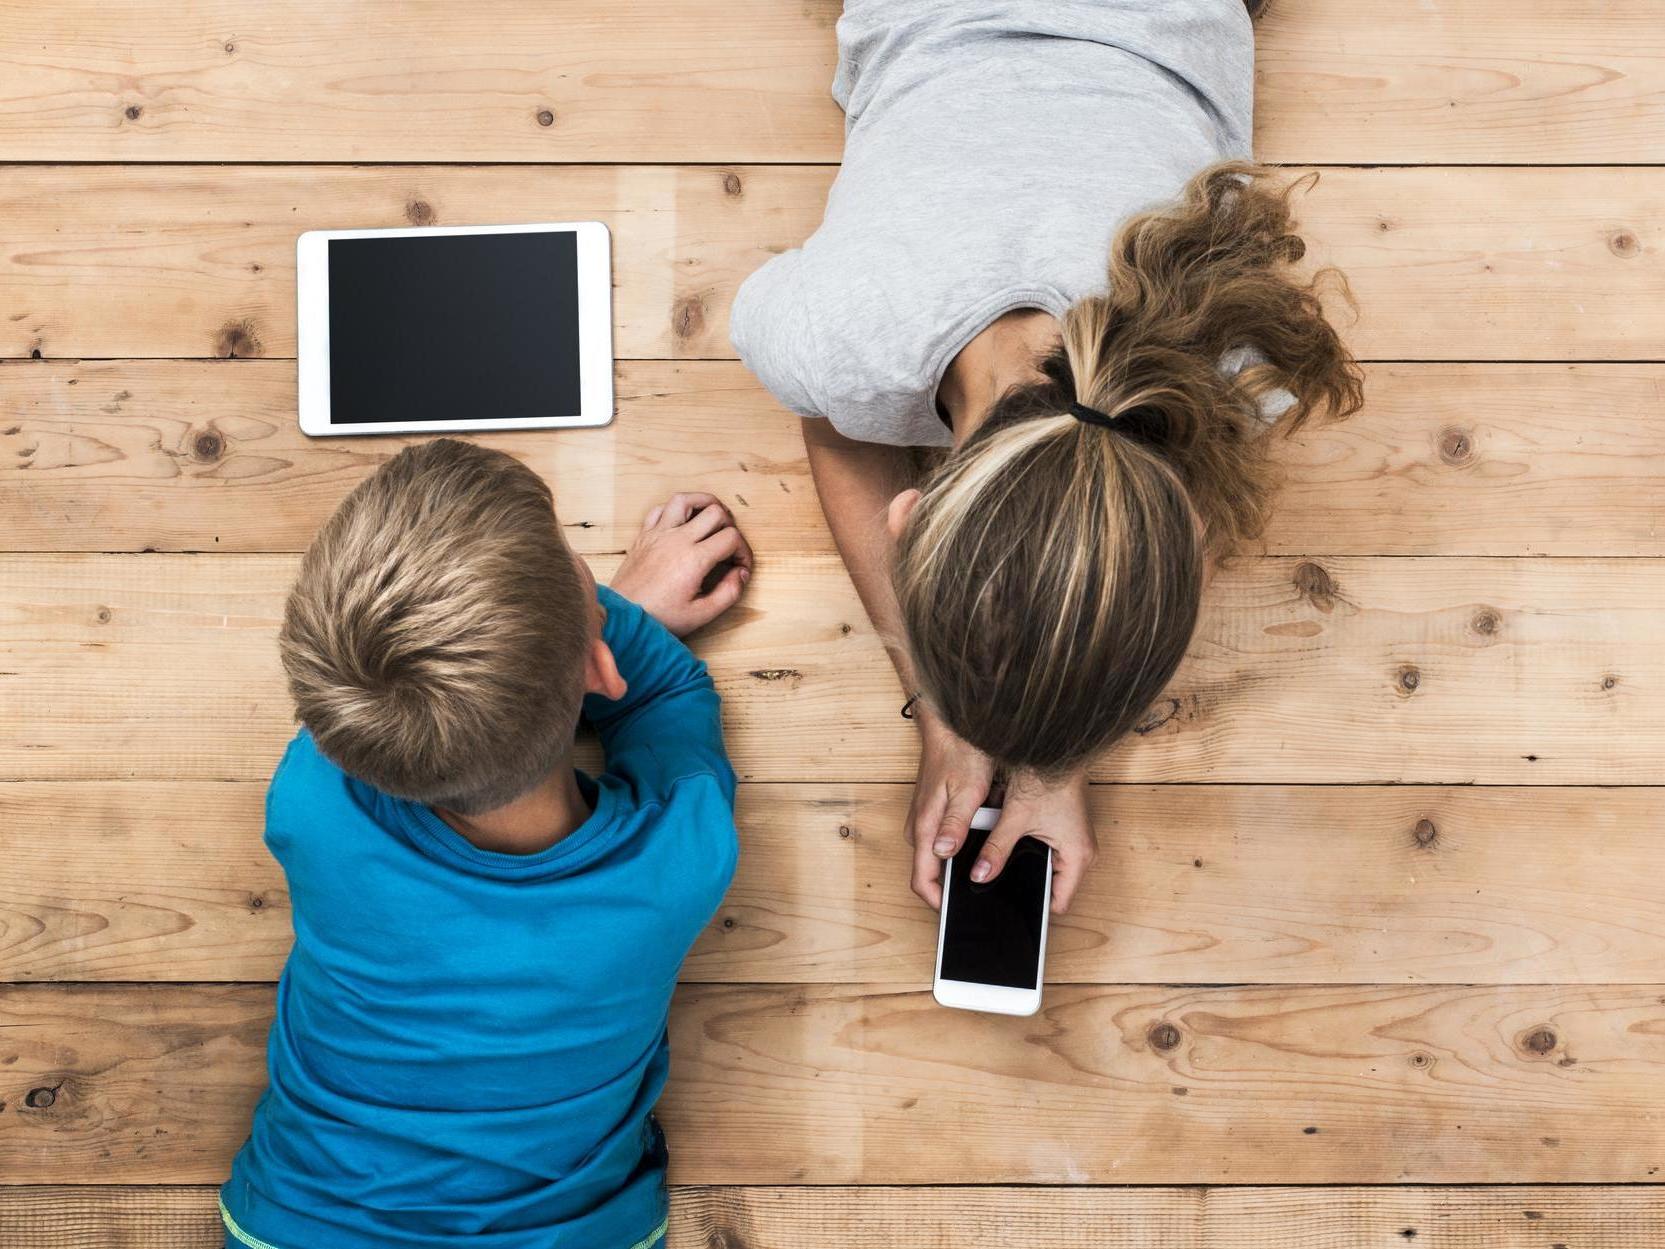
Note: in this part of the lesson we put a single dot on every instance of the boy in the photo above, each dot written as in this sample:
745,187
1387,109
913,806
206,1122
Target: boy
470,1030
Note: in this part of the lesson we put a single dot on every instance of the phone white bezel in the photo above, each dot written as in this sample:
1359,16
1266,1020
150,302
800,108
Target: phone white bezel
998,999
595,331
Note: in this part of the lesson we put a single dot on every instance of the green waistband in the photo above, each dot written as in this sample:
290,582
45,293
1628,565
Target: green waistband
254,1242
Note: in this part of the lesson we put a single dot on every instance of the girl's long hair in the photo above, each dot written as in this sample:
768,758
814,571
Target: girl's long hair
1050,576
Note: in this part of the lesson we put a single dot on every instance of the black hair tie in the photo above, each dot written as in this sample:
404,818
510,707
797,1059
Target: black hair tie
1091,416
1142,423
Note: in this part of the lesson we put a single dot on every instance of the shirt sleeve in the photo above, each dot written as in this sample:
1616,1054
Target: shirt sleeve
768,327
669,723
1274,403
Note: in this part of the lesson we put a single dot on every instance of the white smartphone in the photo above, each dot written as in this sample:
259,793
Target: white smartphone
451,329
991,940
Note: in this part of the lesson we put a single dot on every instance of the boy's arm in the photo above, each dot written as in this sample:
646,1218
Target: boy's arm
670,718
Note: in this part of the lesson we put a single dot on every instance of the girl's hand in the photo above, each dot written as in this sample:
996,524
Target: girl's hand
682,543
1054,814
954,780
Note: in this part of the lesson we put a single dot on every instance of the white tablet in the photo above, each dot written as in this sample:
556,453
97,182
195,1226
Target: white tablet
454,328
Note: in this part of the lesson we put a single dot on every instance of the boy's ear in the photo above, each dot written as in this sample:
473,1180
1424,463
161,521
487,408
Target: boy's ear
601,672
901,507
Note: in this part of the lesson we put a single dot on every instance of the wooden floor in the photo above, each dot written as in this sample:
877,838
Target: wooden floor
1375,952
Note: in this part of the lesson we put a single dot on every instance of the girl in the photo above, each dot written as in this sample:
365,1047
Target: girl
1106,436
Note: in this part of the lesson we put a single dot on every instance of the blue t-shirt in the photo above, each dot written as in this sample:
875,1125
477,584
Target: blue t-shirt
468,1045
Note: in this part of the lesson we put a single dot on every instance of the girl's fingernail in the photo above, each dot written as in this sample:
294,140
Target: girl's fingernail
980,873
944,846
745,575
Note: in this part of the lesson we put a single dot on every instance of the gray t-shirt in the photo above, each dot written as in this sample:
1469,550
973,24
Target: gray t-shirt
992,148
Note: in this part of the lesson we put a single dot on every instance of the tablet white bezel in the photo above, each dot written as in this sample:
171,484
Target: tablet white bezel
997,999
595,332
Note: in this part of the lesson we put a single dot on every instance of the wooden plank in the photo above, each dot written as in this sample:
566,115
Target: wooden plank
716,80
1518,264
1507,459
205,455
1448,264
142,1083
1341,671
200,261
1514,1216
1451,81
845,1084
168,881
309,80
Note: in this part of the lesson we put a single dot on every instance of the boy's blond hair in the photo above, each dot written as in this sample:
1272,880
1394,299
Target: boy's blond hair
436,635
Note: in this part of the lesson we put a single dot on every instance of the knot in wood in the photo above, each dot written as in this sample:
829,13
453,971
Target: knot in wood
1314,583
238,339
688,317
1163,712
133,112
546,117
41,1098
1421,1061
207,446
1485,622
1164,1036
1623,244
419,212
732,184
1456,446
1539,1041
1425,833
1409,678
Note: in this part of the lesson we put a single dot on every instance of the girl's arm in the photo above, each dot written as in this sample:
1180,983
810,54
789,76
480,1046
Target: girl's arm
856,482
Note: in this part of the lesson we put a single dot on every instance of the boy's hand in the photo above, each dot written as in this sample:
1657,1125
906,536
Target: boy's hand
670,567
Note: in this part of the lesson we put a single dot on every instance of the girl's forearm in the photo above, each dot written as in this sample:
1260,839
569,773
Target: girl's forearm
856,482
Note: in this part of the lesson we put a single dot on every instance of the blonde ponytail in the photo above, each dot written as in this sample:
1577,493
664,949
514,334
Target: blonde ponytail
1050,577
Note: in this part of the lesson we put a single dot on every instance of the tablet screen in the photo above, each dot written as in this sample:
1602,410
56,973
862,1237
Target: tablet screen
453,327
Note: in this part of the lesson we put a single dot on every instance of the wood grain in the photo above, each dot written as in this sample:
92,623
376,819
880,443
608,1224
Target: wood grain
654,80
114,261
1493,671
206,455
1401,1085
832,1085
1447,264
1519,264
715,80
1515,1216
132,688
1453,81
1476,459
168,881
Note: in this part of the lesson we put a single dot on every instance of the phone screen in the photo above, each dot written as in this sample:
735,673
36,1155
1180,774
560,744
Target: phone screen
992,933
